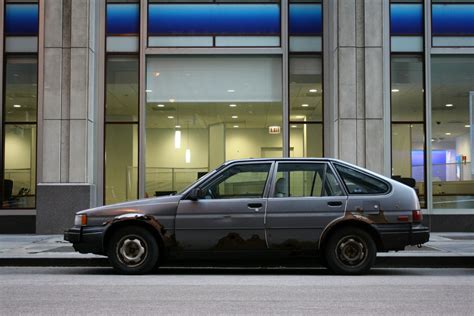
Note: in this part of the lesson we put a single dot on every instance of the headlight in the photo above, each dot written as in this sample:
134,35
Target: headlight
80,220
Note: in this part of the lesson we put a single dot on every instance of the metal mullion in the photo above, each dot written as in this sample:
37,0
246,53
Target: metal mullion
284,39
427,62
40,96
142,98
2,81
100,119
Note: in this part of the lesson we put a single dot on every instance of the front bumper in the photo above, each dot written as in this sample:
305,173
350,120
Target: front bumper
397,236
86,239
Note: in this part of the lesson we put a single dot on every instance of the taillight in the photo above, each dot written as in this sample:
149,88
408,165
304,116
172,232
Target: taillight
417,216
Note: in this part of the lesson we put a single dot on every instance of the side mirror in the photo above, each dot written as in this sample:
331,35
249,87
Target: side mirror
196,194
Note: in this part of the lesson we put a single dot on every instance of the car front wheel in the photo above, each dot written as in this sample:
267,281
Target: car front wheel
133,250
350,251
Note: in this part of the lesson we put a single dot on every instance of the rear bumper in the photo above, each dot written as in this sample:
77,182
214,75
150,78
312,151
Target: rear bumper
86,239
397,236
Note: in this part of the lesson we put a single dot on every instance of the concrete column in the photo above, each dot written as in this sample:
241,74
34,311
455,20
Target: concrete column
356,79
69,105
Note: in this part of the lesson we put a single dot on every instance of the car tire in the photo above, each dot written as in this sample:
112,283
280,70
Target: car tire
133,250
350,250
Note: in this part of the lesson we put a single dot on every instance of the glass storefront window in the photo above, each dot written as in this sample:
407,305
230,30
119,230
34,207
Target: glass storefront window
20,89
19,184
306,140
452,80
407,111
204,110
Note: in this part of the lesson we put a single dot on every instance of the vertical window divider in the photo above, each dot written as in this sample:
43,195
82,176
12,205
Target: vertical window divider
428,160
142,98
2,80
100,125
40,97
285,80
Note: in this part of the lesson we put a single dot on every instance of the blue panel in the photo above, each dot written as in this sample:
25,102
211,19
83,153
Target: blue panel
306,19
406,19
453,19
213,19
123,19
21,19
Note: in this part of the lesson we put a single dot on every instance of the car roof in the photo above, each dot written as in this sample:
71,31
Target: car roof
279,159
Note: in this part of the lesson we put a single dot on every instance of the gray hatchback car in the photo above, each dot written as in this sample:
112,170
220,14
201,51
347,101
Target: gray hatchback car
260,209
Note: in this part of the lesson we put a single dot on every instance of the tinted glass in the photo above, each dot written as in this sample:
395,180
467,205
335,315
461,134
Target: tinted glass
243,181
123,19
406,19
360,183
305,180
21,19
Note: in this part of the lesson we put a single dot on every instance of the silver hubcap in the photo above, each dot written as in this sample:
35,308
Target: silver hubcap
131,250
351,250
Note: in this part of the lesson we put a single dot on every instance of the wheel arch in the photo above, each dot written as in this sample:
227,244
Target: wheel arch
350,223
146,222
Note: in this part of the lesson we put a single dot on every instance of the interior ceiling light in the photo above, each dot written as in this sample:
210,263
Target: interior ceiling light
232,105
16,106
299,117
188,155
148,91
236,126
234,116
449,105
177,139
447,134
157,74
171,117
395,90
313,90
160,105
231,90
294,126
304,105
172,100
178,126
467,125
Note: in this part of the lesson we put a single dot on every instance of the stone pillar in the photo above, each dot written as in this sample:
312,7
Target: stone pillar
355,91
66,176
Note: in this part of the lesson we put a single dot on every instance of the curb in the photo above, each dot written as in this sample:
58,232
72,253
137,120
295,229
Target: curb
381,262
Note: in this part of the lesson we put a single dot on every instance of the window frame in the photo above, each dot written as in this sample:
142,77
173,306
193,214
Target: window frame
341,179
295,161
216,177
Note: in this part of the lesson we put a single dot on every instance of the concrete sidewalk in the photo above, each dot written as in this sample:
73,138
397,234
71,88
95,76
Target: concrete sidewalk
443,250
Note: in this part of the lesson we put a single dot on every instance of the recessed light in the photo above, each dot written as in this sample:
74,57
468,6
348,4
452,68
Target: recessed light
304,105
294,126
467,125
178,126
232,105
313,90
16,106
160,105
231,90
236,126
411,125
432,140
447,134
299,116
449,105
171,117
234,116
172,100
148,91
395,90
157,74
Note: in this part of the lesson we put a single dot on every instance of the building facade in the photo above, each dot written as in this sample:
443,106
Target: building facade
109,101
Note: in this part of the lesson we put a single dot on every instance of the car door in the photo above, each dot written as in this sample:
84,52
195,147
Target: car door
231,215
304,198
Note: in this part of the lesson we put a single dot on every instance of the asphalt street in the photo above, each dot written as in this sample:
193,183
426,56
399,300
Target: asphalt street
60,291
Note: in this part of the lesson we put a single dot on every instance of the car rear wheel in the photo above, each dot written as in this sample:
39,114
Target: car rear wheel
133,250
350,250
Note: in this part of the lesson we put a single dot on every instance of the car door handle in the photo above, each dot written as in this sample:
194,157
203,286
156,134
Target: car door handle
255,206
335,203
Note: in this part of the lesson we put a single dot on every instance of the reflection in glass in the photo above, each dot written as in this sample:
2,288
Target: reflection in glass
306,140
122,89
19,184
222,107
20,89
121,162
306,95
452,80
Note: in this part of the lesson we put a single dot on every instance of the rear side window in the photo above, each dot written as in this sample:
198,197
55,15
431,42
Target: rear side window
360,183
